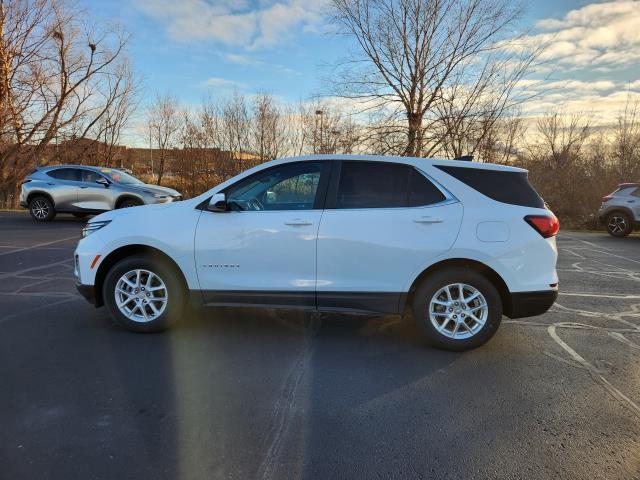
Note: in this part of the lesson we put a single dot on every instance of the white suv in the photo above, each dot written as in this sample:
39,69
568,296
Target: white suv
459,243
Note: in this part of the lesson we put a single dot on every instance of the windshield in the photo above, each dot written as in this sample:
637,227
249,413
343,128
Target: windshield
118,176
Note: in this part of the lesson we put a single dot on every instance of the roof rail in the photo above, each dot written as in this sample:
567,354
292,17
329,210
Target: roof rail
465,158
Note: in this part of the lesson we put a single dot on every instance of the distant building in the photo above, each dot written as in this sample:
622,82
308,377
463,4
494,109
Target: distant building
86,151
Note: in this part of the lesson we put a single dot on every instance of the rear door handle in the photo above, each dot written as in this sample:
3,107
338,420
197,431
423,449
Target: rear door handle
298,222
427,219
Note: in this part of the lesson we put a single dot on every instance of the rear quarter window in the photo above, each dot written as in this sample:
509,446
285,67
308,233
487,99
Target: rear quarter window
72,174
499,185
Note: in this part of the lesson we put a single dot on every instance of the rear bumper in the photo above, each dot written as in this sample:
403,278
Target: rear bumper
87,291
24,204
530,304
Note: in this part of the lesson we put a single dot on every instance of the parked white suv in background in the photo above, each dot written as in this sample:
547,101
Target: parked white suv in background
459,243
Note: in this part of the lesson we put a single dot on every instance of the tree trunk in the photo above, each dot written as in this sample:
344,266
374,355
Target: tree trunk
414,135
160,168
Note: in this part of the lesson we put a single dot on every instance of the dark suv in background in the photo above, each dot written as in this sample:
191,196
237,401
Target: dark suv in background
620,210
84,190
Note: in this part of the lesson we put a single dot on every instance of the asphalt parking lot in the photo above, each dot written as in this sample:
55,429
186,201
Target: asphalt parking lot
252,394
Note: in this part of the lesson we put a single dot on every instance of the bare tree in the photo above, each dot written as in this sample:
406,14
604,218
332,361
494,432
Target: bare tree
269,131
164,126
52,69
235,132
626,142
561,138
433,60
123,99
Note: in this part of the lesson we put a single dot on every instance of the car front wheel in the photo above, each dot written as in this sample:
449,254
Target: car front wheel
144,294
41,209
129,202
457,308
619,224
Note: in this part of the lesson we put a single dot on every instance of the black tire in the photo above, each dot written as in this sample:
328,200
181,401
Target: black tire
41,209
619,224
454,275
129,202
80,215
175,294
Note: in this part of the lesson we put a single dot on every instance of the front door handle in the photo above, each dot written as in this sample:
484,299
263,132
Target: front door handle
427,219
298,222
84,187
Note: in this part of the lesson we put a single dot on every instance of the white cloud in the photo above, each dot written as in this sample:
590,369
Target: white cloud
230,22
593,36
242,59
635,85
602,109
580,86
248,61
223,83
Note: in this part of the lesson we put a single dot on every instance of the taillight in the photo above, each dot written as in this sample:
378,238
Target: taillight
545,225
607,198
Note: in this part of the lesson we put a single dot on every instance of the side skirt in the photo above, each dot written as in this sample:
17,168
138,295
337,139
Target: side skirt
340,302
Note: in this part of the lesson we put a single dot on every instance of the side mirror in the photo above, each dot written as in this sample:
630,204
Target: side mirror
218,203
104,182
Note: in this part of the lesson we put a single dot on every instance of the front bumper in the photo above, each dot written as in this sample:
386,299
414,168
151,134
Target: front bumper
530,304
87,291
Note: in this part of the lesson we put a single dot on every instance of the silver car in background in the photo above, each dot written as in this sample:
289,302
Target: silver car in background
83,190
620,210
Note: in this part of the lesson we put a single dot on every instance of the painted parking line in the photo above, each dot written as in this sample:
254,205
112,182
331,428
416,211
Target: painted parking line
621,296
593,371
39,245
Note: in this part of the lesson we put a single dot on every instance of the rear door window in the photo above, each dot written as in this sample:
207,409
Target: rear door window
89,176
499,185
372,185
384,185
69,174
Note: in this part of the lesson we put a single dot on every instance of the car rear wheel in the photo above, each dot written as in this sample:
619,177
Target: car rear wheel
619,224
41,209
457,308
144,294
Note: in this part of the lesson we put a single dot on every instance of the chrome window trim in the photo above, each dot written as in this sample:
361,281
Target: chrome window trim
449,197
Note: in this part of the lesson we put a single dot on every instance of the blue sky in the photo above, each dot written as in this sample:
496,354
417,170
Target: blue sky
191,47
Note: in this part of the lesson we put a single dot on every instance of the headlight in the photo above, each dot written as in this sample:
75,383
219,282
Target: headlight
155,195
89,228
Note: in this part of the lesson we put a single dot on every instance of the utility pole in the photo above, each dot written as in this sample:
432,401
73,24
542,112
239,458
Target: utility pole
4,93
319,113
150,151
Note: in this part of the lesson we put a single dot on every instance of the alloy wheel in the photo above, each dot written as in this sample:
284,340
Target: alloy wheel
617,224
458,311
141,295
40,209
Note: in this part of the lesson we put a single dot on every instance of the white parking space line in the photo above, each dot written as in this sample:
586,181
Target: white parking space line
608,253
571,252
601,295
621,338
38,245
41,307
593,371
67,263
